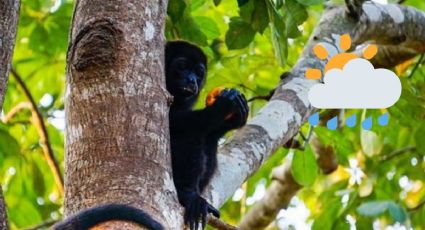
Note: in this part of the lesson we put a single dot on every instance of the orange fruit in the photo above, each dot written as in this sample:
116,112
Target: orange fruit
212,96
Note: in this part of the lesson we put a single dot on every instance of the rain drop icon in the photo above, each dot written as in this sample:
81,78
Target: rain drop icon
367,124
383,119
332,124
351,121
314,119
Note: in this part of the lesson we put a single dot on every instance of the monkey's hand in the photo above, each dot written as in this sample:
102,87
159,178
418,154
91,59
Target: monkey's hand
240,116
234,107
229,103
196,210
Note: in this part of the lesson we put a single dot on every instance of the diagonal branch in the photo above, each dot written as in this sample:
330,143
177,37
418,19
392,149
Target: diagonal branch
15,110
42,131
289,108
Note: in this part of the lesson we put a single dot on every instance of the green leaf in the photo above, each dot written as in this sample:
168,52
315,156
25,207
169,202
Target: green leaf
279,4
296,14
8,144
217,2
310,2
34,4
304,167
373,208
260,19
419,139
239,35
190,30
397,212
371,143
39,38
327,215
245,11
208,27
176,9
279,37
376,208
242,2
195,4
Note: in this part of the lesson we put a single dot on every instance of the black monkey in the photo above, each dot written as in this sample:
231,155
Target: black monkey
91,217
194,137
195,133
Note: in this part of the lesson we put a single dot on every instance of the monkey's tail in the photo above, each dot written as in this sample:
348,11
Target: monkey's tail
91,217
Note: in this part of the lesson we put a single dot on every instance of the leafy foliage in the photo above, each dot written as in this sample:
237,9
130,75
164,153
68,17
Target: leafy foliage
249,44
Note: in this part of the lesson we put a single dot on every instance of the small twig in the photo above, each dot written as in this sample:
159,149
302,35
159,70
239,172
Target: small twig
302,136
398,152
15,110
43,225
293,144
263,97
219,224
309,135
246,87
416,66
42,130
417,207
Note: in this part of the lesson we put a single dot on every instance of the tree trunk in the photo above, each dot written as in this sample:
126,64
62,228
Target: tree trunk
3,214
9,13
117,110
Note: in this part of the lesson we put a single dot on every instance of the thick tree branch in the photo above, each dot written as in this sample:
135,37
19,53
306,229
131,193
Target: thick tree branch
283,187
38,121
219,224
289,107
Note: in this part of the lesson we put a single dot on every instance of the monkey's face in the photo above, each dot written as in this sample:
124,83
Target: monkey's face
185,77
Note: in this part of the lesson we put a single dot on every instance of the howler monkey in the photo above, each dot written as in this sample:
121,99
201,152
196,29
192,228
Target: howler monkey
195,133
194,136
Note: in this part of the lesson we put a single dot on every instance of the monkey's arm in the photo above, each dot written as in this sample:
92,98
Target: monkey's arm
203,121
237,119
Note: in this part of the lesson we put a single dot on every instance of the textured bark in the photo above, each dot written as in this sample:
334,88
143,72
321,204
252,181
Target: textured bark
117,110
9,13
3,214
386,25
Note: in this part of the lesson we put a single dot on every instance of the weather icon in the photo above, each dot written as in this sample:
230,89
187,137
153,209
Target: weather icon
352,82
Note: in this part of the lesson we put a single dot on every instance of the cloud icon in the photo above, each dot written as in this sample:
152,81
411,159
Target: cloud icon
359,85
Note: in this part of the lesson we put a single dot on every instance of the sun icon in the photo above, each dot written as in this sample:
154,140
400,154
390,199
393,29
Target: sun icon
338,61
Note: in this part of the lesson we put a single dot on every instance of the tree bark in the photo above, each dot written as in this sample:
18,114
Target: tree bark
3,214
399,29
117,110
9,13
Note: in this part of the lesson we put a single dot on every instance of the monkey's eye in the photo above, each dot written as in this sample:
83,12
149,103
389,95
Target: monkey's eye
200,70
181,65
